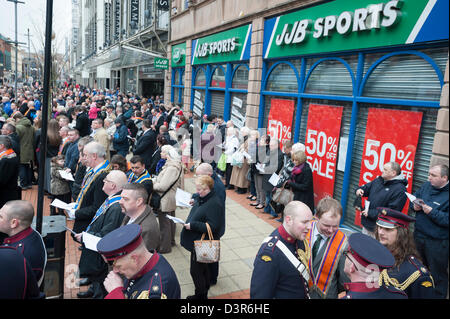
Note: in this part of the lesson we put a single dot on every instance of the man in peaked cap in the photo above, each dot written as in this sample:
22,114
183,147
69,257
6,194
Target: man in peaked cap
366,259
148,274
408,273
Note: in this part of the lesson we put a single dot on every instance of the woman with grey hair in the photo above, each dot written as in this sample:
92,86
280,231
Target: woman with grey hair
165,184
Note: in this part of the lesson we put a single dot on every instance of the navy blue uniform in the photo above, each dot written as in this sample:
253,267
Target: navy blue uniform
30,244
274,276
359,290
414,279
17,280
157,280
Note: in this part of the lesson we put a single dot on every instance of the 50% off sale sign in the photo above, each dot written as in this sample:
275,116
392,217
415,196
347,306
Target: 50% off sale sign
279,124
322,140
391,136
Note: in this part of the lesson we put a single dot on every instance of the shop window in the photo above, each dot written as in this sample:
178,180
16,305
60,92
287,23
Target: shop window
405,76
200,78
282,79
240,79
330,77
218,78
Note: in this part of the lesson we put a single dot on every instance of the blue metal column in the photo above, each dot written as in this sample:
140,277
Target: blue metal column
301,88
207,105
228,83
262,97
351,136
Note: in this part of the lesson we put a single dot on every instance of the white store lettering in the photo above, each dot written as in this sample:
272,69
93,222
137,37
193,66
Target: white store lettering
362,19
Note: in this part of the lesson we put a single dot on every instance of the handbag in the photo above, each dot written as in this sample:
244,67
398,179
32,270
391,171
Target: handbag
222,164
207,251
237,159
155,199
283,196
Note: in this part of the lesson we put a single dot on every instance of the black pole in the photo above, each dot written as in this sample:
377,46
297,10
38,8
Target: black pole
45,106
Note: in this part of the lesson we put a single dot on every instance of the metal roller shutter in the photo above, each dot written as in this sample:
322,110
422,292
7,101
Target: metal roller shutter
237,115
217,102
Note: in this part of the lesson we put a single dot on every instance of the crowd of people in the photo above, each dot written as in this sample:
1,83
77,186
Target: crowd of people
128,156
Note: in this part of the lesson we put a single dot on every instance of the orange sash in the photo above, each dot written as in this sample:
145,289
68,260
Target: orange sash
321,280
7,152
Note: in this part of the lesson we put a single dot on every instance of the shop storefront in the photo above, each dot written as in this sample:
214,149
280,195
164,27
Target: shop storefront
220,74
362,82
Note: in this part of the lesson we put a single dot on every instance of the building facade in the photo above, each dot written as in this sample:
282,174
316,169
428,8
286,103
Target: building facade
360,83
115,42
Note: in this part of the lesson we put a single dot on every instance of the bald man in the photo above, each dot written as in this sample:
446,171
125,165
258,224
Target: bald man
281,265
107,218
16,217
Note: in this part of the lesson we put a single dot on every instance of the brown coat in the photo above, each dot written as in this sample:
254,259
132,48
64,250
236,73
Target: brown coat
150,228
239,174
166,177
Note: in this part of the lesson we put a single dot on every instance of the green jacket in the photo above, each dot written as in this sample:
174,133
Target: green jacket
26,137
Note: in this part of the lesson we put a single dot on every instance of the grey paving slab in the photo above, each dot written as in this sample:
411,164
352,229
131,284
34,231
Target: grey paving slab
239,246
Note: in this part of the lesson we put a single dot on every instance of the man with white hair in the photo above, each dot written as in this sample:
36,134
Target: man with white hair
107,218
91,195
281,265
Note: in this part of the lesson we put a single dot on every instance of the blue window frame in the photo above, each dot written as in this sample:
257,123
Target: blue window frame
218,78
353,84
177,86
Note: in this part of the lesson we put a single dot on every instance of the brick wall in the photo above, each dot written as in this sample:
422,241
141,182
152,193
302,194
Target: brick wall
441,138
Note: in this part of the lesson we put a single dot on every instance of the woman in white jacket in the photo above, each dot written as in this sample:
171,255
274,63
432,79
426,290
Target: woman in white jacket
230,146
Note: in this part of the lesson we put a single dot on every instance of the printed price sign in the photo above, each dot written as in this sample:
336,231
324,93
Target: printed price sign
391,136
322,140
279,125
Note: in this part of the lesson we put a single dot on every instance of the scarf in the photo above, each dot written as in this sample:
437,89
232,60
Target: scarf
297,169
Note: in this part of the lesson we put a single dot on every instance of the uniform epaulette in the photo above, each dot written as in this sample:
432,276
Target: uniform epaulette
423,271
384,278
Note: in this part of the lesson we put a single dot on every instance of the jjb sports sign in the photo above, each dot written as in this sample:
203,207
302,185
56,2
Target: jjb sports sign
349,25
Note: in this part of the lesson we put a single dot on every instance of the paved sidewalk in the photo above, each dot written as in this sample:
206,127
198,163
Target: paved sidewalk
239,245
246,227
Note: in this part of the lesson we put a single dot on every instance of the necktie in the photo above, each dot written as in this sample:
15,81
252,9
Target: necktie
316,245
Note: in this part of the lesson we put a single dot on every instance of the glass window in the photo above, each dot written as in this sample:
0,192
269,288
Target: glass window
176,77
218,78
405,76
240,79
200,78
282,79
331,77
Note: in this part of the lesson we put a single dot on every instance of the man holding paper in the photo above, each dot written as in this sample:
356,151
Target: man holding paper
431,228
107,218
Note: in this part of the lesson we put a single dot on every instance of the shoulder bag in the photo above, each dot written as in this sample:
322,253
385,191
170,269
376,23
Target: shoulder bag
207,251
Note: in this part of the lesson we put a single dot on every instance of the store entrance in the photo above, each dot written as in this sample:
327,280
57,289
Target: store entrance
152,88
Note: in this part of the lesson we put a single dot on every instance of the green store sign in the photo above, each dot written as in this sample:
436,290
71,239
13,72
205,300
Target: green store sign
226,46
179,55
348,25
161,63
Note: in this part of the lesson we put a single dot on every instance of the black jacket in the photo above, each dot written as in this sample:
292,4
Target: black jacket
82,124
208,209
145,147
381,193
91,263
93,199
302,186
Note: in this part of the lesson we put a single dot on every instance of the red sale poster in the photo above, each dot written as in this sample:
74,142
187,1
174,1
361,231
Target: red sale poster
391,136
279,125
322,142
